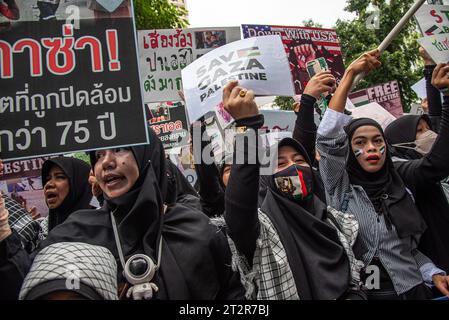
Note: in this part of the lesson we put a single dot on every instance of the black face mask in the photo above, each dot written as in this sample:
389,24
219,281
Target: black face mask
295,183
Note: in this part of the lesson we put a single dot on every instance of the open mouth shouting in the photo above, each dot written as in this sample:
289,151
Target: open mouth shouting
113,181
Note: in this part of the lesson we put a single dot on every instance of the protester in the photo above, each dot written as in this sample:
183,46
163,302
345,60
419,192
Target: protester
66,189
71,271
421,157
287,248
305,128
373,190
191,255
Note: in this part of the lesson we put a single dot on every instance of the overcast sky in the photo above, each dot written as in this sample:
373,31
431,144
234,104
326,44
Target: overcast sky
221,13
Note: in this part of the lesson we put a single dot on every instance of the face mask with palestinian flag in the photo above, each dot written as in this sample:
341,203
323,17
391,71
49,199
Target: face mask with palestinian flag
295,182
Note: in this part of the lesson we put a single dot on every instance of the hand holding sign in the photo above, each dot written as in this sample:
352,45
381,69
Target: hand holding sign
428,61
239,102
437,47
321,83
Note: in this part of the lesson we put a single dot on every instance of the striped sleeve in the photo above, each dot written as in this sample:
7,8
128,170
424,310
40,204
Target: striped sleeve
332,145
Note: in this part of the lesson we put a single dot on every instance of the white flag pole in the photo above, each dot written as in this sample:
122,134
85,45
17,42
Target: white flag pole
393,34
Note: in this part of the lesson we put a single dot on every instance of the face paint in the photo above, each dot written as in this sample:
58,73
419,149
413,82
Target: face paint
382,150
358,152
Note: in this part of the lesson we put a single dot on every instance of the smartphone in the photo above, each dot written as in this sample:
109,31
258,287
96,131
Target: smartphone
316,66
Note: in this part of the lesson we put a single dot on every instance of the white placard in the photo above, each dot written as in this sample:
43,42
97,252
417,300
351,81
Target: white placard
257,63
420,88
433,19
437,47
163,53
374,111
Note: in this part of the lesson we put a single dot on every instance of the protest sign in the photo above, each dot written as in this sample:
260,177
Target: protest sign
387,95
22,181
374,111
433,19
270,139
420,88
169,122
164,53
258,63
416,109
279,120
183,159
437,47
69,87
304,44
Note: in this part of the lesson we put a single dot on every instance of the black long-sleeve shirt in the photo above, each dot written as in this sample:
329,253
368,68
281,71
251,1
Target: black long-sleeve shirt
211,190
305,132
433,99
305,127
241,197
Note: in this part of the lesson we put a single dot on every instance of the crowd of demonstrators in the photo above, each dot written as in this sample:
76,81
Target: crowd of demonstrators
339,199
173,247
287,240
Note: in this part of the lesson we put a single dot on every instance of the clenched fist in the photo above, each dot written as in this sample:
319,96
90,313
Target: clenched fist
239,102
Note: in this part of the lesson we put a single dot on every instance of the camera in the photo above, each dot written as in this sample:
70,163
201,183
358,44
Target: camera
139,269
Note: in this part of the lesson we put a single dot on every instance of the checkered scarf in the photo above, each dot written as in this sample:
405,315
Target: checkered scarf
73,265
22,223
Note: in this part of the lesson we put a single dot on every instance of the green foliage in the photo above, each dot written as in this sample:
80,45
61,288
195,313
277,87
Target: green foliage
400,61
82,156
284,103
158,14
311,23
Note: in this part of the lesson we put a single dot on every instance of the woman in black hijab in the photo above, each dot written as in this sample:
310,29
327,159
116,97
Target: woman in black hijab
373,190
421,157
169,252
287,242
66,188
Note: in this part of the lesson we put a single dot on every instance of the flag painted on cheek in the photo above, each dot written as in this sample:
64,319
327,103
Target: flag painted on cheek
358,152
382,150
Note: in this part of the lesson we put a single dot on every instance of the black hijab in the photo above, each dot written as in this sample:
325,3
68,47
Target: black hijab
374,184
190,244
80,192
316,257
403,130
385,188
178,186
